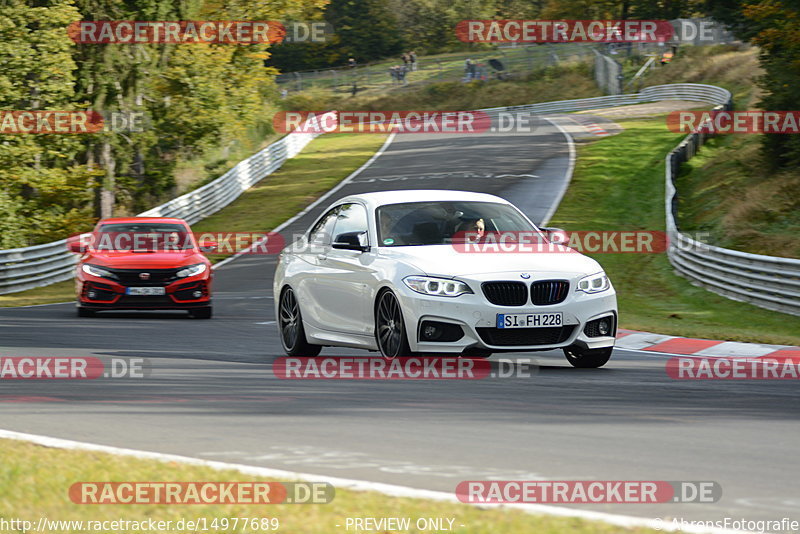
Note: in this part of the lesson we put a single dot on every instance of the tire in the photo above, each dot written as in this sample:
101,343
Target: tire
85,312
390,328
587,358
201,313
290,325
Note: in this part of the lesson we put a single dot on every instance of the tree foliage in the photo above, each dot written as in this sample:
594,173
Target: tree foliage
192,97
774,26
196,98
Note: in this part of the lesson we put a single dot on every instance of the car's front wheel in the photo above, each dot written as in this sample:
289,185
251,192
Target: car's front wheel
85,312
390,329
201,313
587,358
290,322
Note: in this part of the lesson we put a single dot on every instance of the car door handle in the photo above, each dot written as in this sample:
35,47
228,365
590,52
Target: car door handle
322,257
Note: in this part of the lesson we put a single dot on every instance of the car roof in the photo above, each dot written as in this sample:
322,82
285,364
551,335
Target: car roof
115,220
381,198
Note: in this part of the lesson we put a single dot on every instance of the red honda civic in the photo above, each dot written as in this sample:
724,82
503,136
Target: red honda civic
142,263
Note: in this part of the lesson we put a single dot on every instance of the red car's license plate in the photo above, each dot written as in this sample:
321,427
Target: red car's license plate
145,291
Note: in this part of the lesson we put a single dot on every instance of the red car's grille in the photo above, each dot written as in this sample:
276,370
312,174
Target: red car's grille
145,277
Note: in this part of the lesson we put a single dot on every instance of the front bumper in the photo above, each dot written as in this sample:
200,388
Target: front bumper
477,318
102,294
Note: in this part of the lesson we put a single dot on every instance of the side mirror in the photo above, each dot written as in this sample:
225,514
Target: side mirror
351,241
555,235
76,245
208,246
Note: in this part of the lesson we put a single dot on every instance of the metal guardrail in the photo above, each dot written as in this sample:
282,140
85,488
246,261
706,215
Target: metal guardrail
765,281
40,265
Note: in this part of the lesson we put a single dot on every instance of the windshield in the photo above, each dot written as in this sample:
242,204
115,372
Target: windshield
147,237
439,223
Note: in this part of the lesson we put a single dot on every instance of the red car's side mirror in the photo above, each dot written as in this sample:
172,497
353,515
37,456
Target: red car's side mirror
209,246
76,246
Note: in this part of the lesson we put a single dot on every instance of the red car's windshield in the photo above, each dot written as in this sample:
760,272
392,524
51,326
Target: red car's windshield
144,237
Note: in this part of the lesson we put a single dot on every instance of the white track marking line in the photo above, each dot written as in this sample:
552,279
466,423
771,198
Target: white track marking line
567,174
363,485
314,204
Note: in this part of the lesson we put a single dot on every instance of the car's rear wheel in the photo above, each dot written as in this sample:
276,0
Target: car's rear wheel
202,313
587,358
85,312
290,322
390,329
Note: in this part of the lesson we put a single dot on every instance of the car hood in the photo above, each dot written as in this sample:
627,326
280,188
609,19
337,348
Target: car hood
446,261
145,260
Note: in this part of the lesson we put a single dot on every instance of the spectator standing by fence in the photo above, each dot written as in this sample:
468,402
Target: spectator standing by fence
470,69
401,74
413,58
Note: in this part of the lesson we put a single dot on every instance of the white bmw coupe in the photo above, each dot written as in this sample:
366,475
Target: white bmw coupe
433,271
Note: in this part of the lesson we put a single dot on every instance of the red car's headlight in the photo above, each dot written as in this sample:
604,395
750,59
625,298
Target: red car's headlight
94,270
192,270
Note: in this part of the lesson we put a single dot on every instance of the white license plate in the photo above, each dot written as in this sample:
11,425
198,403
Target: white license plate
145,291
529,320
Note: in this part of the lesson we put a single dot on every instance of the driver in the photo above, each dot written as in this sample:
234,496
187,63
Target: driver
474,229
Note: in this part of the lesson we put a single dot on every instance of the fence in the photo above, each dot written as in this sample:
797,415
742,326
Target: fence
765,281
607,73
516,61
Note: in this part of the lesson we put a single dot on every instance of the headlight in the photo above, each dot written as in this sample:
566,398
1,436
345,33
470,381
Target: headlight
442,287
94,270
594,283
192,270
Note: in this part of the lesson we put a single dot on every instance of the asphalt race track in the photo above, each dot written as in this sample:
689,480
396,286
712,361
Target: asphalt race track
211,393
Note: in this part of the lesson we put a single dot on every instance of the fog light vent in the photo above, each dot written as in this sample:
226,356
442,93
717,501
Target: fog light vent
440,332
601,327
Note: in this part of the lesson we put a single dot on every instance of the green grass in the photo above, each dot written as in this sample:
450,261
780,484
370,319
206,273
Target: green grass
324,163
618,184
34,483
733,67
725,191
58,292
